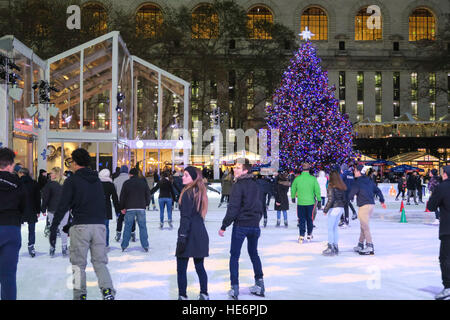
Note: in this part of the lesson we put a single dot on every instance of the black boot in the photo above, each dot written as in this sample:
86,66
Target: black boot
107,294
31,251
336,248
329,251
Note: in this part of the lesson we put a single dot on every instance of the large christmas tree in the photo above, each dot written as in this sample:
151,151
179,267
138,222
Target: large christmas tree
312,129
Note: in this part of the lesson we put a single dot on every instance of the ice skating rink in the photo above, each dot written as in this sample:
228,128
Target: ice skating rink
405,264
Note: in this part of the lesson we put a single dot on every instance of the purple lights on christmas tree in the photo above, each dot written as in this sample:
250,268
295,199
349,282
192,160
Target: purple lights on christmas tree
312,129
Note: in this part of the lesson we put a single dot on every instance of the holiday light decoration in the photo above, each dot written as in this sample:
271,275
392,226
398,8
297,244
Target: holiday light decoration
304,110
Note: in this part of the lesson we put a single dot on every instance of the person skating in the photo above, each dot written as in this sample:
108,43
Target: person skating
264,186
110,195
435,180
83,194
166,196
365,190
323,181
118,183
51,195
281,198
245,210
34,205
12,208
307,191
419,188
193,240
134,198
151,182
177,186
227,183
411,185
401,186
336,194
348,178
441,199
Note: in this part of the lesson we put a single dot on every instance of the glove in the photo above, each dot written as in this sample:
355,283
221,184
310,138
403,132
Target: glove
319,205
181,246
293,200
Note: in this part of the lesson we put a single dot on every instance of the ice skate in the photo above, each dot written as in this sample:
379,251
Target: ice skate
301,239
182,297
329,251
170,225
64,251
355,216
359,247
285,223
265,222
83,297
146,249
368,250
336,248
443,295
133,236
258,288
31,251
154,208
203,296
435,222
118,235
309,237
234,292
161,224
278,223
107,294
52,252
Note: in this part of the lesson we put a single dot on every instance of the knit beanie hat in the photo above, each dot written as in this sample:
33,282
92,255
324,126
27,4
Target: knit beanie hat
192,172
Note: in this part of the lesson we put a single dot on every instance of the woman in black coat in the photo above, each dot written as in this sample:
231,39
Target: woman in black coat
33,199
281,198
110,194
193,240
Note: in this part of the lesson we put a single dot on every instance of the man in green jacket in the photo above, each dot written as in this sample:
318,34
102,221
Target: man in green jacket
307,190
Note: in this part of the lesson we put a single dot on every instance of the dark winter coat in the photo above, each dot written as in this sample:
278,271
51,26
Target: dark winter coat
192,229
336,199
165,189
265,185
42,180
177,184
281,195
401,184
365,189
135,194
433,183
411,182
440,198
110,193
33,197
83,194
12,200
51,194
245,207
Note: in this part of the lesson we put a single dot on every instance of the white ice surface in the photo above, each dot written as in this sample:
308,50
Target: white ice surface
405,264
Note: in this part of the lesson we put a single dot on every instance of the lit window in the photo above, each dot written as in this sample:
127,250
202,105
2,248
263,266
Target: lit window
316,20
96,17
422,25
365,29
149,19
259,21
205,23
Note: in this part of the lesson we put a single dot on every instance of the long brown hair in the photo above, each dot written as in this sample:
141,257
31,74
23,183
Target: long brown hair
199,191
336,181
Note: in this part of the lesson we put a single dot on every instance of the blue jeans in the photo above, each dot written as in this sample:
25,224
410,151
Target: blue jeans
182,264
334,216
10,243
237,238
31,234
284,215
107,232
168,203
304,214
129,218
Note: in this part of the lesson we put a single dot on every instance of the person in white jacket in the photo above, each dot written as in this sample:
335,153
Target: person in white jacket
322,180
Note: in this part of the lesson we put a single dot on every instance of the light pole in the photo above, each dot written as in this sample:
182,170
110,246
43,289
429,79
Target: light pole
216,118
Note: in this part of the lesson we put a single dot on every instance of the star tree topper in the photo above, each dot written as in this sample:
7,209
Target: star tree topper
306,34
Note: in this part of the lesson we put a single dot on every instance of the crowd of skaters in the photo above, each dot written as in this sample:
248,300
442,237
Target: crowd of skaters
72,207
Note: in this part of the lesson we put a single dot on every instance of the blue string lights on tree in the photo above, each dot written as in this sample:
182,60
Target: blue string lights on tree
304,110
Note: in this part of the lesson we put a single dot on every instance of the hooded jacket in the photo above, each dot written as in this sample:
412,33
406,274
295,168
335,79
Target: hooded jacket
50,196
440,199
110,193
245,207
365,190
12,200
322,180
83,194
33,198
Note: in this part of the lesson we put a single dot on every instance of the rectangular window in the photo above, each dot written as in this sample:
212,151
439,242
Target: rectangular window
195,89
432,96
360,96
414,89
378,94
396,103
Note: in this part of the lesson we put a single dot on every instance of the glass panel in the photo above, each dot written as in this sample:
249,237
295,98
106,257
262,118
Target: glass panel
125,114
54,155
422,25
65,76
38,74
149,19
97,72
105,156
23,80
22,151
317,22
172,111
151,159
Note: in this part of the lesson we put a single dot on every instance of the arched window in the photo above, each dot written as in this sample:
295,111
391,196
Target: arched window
205,22
422,25
316,20
149,19
368,26
259,20
96,17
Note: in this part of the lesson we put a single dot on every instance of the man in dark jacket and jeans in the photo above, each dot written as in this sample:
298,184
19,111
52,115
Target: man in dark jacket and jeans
12,209
83,194
441,199
134,198
244,210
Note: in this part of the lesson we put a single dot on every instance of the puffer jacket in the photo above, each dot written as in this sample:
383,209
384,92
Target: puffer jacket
336,199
